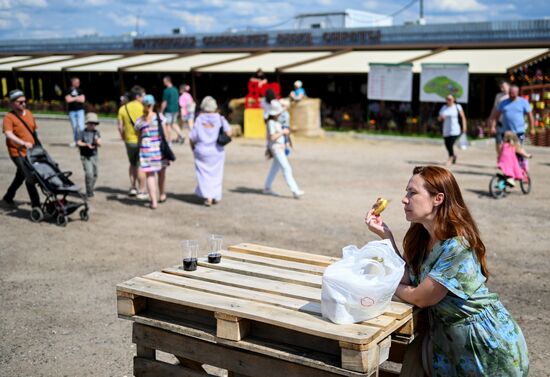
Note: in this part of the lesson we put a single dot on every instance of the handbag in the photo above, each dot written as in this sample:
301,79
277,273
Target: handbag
223,139
165,150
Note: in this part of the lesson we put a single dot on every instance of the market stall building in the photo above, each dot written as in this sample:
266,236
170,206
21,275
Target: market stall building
333,64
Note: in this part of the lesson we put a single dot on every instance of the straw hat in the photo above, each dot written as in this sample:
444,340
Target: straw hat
92,118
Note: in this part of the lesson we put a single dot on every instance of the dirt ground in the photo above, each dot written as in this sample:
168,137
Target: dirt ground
58,306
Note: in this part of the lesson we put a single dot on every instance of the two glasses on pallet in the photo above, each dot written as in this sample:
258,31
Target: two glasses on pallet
191,251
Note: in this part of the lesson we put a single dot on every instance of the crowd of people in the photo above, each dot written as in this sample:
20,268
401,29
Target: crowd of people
445,256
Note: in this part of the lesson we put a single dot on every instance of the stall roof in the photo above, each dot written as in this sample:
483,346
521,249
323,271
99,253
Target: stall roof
356,61
44,59
268,62
58,66
186,63
10,59
482,61
115,65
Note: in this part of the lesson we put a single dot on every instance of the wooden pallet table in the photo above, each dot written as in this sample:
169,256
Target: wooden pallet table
257,313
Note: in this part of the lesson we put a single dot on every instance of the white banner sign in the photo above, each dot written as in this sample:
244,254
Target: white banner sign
390,82
437,81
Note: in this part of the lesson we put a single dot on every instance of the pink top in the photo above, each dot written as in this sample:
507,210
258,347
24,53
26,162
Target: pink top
508,162
185,100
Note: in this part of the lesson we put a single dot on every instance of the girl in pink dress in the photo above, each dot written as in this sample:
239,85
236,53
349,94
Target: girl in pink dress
508,160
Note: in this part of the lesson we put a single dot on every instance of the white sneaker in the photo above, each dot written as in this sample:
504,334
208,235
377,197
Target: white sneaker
298,194
132,192
72,145
267,191
142,196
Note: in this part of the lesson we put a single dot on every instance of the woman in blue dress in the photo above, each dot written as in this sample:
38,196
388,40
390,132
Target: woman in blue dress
470,332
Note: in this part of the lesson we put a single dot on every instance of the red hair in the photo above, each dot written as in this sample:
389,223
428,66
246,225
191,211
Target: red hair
452,219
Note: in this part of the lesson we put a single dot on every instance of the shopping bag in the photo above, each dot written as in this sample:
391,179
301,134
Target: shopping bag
463,142
360,286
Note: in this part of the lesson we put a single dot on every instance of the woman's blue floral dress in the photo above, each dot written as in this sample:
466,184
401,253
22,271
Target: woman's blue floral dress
471,332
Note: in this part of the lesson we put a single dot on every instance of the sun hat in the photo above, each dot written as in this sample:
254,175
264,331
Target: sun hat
209,104
275,108
15,94
92,118
148,100
298,83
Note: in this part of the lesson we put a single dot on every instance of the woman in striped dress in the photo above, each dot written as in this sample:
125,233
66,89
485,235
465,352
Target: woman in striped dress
150,158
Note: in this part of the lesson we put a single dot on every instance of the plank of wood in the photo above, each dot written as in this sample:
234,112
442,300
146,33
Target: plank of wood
399,310
266,272
250,282
248,294
218,285
233,359
154,368
311,359
290,255
274,262
290,319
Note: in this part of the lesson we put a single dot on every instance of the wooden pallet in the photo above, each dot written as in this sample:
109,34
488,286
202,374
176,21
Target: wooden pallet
263,300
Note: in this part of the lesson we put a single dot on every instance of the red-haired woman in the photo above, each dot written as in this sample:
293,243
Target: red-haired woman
470,333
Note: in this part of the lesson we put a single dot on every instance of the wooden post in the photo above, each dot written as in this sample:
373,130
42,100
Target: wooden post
231,327
129,304
364,358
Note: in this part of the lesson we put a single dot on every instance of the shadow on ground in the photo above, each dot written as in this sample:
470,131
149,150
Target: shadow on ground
470,172
247,190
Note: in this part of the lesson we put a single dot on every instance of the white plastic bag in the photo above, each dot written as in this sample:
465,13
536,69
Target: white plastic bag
463,142
360,286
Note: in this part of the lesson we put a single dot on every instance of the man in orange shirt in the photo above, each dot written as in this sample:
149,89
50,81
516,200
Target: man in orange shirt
19,125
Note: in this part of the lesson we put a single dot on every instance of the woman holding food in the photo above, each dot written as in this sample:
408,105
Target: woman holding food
470,332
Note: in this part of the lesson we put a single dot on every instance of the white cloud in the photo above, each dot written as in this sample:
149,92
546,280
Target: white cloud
127,20
456,6
32,3
95,3
85,31
197,22
4,24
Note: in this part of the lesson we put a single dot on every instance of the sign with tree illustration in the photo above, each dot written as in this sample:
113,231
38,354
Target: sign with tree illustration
437,81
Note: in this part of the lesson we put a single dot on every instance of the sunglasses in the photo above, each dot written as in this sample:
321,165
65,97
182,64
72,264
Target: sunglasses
20,102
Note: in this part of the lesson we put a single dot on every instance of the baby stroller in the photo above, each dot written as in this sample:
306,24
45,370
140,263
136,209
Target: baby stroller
55,184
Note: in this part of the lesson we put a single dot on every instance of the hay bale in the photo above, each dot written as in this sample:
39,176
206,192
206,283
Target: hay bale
305,117
236,106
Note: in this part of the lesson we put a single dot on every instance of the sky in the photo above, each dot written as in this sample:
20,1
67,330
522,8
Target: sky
74,18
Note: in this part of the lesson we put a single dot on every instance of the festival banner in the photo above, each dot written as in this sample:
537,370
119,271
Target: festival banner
437,81
390,82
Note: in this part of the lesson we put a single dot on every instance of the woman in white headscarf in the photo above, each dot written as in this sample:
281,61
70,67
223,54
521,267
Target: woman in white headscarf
209,155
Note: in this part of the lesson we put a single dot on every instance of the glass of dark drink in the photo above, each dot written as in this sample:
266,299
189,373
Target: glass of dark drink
190,250
215,252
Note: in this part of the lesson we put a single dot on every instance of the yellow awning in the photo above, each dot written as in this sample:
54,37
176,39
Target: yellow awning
20,63
115,65
58,66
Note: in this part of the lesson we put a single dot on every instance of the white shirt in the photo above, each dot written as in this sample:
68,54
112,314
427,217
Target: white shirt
450,114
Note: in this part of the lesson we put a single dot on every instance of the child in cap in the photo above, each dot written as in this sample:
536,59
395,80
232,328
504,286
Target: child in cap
88,142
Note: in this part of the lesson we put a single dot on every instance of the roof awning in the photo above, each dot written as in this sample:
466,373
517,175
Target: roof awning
482,61
10,59
27,62
115,65
58,66
185,63
356,61
268,62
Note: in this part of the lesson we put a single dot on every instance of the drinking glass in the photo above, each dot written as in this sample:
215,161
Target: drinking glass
190,250
215,242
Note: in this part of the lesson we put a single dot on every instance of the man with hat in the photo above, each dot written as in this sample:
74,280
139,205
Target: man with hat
19,127
88,142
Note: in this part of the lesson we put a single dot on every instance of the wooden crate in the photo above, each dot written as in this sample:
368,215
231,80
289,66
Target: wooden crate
261,300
